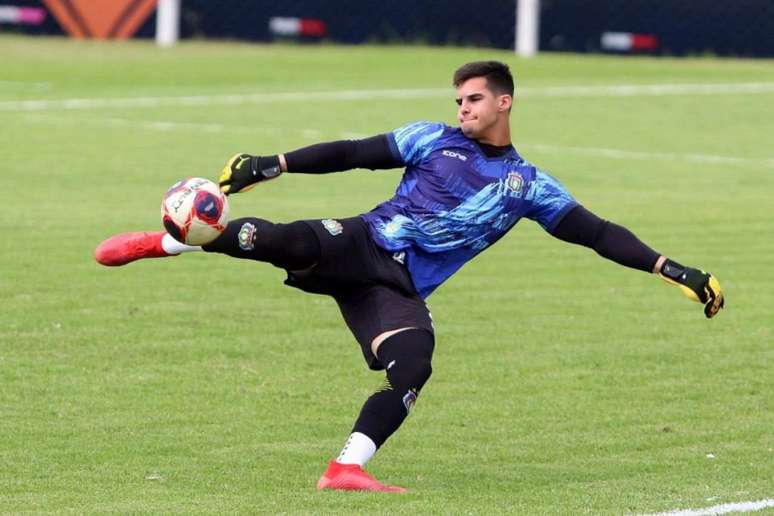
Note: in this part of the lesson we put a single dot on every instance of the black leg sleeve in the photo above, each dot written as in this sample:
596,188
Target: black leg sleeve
291,246
407,356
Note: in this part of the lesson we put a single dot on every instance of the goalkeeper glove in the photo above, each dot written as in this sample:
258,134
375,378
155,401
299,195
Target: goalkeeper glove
243,171
697,285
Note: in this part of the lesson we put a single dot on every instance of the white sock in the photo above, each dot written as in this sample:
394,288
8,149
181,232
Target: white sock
172,246
358,450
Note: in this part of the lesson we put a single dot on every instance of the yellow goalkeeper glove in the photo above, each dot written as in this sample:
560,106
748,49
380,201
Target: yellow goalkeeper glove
697,286
243,171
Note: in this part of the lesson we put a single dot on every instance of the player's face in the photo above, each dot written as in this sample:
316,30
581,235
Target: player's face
479,108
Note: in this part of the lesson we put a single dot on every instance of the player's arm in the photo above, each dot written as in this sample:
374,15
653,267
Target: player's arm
243,171
616,243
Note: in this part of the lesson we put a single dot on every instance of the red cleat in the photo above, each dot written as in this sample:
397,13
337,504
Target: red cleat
128,247
351,477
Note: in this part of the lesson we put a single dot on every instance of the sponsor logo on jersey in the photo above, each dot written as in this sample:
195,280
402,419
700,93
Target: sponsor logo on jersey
400,257
246,237
409,400
514,183
333,227
452,154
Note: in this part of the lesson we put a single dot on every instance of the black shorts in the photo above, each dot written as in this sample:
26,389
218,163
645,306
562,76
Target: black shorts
372,287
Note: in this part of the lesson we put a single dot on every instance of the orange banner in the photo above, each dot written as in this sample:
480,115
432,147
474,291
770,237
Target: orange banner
101,19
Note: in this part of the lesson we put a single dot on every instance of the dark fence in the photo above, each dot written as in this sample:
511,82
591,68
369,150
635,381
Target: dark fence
671,27
487,23
681,27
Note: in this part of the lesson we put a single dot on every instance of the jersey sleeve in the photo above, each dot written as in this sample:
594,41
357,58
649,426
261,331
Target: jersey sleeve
411,143
550,201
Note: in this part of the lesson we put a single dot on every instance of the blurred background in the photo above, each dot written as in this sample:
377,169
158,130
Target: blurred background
662,27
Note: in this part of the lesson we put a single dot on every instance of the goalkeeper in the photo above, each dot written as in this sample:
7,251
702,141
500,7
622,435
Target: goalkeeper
463,188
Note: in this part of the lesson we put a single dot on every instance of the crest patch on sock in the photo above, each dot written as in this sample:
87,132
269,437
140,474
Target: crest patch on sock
246,237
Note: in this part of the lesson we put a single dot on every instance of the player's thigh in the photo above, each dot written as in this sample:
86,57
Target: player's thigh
344,250
376,310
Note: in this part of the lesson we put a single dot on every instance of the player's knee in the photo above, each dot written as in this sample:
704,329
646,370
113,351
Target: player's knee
300,247
377,341
413,374
409,372
408,378
407,357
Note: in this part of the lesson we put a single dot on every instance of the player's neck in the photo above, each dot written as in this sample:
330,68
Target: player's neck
497,136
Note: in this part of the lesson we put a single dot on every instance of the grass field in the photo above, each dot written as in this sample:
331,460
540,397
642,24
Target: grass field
563,384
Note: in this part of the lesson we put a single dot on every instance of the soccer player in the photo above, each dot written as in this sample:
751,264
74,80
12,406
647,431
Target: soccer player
462,190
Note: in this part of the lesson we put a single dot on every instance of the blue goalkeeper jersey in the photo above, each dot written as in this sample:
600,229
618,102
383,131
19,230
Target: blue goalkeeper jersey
453,201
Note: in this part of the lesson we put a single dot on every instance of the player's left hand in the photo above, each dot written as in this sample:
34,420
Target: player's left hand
696,284
243,171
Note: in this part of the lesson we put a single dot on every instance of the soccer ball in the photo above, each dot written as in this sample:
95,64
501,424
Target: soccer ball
194,211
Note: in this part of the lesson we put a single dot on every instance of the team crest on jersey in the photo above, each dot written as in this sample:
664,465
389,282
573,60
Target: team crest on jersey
514,183
333,227
246,237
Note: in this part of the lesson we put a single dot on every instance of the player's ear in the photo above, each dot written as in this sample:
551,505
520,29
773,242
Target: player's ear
504,103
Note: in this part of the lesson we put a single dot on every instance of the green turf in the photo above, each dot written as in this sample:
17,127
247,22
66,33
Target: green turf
563,384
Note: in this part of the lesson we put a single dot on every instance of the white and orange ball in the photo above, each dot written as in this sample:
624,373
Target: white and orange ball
194,211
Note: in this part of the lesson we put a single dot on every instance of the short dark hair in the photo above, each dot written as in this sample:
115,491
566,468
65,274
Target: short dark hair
498,75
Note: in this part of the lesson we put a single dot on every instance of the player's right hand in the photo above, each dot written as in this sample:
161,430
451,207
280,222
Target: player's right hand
243,171
696,285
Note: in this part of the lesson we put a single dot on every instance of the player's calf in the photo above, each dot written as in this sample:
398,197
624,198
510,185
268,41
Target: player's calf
291,246
406,357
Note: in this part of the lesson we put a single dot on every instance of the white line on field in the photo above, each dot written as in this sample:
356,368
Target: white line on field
633,90
719,509
620,90
154,125
166,126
